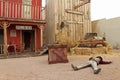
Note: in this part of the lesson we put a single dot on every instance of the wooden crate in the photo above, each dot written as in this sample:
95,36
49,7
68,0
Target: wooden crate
57,54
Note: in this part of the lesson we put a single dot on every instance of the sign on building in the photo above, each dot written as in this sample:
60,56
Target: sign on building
24,27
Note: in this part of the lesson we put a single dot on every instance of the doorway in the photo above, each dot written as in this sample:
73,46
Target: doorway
1,41
28,39
1,36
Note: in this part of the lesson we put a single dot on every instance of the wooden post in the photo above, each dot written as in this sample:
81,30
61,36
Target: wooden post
5,25
41,34
5,38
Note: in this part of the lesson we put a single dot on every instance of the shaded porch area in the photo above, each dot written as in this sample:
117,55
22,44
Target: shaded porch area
17,41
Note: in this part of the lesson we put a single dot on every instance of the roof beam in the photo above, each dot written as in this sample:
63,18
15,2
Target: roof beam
74,12
81,4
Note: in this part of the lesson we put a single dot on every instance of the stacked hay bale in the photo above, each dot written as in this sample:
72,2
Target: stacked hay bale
88,51
80,51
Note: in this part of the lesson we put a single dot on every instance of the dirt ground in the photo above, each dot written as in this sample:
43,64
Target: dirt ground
37,68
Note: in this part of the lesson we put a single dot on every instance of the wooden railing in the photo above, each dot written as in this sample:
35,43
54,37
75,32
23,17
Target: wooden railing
16,10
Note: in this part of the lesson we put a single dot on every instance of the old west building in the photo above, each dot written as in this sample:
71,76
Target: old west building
67,21
21,25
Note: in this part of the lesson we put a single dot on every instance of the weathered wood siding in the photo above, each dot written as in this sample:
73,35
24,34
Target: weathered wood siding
21,9
76,21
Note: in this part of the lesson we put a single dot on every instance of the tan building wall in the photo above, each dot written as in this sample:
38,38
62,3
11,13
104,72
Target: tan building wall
111,29
76,21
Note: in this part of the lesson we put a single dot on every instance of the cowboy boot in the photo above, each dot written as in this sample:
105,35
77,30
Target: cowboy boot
74,67
97,71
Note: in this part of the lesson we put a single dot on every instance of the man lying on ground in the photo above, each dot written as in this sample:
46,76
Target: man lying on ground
93,62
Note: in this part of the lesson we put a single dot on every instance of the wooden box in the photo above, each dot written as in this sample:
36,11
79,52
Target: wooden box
57,53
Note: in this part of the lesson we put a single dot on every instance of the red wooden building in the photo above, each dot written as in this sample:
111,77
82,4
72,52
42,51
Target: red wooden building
21,25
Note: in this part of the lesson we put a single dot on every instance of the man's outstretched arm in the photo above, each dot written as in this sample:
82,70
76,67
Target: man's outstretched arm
105,62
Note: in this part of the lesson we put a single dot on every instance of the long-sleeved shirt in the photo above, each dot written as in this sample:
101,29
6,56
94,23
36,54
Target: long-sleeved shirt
99,61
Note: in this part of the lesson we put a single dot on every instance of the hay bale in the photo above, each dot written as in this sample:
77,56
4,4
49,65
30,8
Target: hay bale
88,51
99,50
80,51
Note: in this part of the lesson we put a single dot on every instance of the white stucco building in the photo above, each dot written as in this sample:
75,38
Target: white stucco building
110,28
